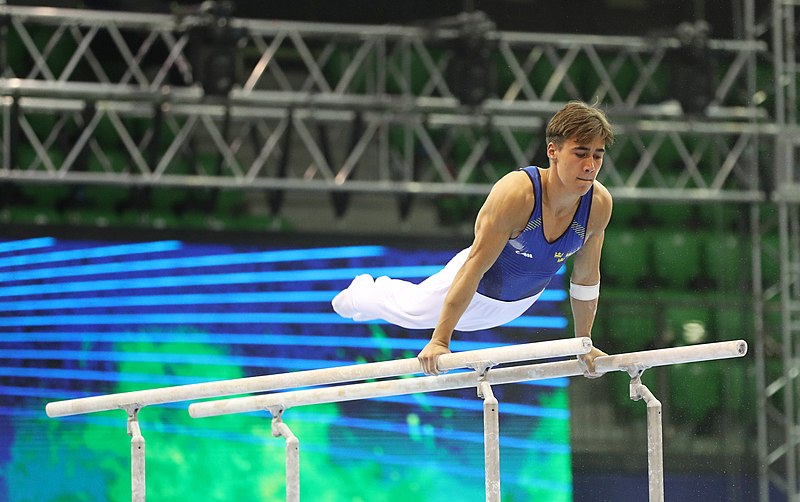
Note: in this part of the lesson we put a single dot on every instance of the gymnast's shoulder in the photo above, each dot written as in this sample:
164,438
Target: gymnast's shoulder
602,204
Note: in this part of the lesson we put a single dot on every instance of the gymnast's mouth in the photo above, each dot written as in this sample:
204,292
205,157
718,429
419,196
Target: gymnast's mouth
586,179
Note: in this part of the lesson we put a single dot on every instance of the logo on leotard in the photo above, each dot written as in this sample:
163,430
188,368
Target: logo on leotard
559,256
523,253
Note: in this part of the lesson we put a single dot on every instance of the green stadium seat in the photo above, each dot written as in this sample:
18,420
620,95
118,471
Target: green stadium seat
775,369
629,327
695,392
415,72
770,264
625,258
46,196
739,390
773,325
588,79
32,215
626,156
339,62
674,215
16,59
230,203
106,135
102,197
541,76
27,157
43,197
627,213
733,323
723,217
676,258
41,124
166,199
59,54
726,260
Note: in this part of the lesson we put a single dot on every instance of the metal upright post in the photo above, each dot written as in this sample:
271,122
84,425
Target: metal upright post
138,490
655,448
779,394
280,429
491,440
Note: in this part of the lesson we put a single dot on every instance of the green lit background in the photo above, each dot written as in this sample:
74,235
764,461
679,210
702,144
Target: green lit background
88,317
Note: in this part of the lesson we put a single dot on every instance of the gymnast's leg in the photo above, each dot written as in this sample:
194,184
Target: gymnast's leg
418,306
409,305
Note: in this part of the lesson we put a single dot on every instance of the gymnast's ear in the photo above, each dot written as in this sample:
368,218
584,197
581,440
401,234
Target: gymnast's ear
552,149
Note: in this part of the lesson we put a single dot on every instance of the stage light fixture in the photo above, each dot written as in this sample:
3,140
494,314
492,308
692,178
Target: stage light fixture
213,48
692,78
470,73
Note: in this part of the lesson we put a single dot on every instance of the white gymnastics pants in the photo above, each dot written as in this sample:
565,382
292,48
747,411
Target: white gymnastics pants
417,306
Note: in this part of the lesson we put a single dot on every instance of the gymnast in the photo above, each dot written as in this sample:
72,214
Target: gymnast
532,221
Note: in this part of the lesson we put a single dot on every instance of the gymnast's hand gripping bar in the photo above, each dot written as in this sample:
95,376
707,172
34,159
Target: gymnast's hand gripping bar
325,376
630,362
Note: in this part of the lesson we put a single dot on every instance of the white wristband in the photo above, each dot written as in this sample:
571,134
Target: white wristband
584,293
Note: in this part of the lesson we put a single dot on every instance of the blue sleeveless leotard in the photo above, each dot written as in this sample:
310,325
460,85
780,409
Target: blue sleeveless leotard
528,263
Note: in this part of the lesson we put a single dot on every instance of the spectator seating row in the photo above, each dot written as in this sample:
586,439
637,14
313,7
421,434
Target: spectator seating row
696,394
677,259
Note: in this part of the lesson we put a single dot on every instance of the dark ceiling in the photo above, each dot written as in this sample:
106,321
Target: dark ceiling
607,17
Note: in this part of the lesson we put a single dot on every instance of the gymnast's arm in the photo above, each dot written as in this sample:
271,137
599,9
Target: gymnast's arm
586,271
498,220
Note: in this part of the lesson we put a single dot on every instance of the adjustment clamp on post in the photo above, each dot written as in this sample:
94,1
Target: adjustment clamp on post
277,418
482,369
636,370
133,410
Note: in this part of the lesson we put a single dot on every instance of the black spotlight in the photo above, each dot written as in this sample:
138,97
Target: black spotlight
471,74
692,66
213,48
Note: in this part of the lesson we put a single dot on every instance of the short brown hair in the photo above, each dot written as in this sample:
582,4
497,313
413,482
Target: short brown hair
580,122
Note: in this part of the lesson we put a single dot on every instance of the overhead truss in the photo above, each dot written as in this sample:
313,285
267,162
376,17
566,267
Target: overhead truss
352,108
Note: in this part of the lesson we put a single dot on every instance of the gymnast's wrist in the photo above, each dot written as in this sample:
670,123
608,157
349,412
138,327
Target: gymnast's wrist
440,339
584,293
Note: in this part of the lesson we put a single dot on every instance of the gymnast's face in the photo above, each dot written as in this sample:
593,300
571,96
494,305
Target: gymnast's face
577,164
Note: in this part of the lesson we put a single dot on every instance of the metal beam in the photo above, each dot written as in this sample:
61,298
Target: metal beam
410,366
629,362
322,74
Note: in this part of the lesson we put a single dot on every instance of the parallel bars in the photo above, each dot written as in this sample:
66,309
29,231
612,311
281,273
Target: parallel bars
133,402
480,360
634,363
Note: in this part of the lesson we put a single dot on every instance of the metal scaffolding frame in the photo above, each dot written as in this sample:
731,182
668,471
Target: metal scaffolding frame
92,97
322,107
778,300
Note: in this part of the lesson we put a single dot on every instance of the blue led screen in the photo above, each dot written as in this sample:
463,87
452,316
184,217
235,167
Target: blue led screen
85,317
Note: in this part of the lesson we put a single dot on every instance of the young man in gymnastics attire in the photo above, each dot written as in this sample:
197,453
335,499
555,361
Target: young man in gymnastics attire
532,220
